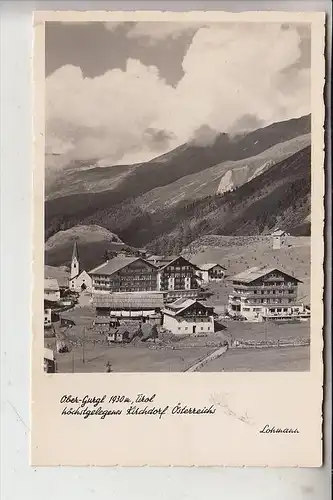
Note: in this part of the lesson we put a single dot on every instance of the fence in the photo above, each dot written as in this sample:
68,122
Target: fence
243,344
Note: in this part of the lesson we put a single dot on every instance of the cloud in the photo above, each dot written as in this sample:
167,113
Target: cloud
204,136
113,25
231,72
155,32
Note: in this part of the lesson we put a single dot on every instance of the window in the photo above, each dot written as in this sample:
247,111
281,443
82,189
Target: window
201,328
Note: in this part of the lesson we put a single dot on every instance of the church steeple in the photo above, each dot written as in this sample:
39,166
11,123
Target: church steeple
75,266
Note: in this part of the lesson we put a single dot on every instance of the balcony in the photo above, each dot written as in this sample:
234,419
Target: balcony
244,288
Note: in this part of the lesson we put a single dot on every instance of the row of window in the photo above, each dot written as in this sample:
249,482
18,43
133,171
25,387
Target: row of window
268,292
201,328
137,288
271,301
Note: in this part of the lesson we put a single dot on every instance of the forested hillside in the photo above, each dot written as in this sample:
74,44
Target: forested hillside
279,196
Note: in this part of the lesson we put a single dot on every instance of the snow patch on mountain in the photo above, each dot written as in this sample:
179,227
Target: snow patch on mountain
232,179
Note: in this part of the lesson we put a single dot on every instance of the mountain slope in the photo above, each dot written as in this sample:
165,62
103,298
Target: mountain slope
220,178
278,197
188,159
85,180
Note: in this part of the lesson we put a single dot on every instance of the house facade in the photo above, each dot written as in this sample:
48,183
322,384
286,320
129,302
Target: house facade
211,272
51,290
140,306
80,283
176,277
188,316
279,239
260,294
124,274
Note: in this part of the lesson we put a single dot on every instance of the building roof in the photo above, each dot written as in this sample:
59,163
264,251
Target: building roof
51,285
173,259
180,305
80,274
75,254
210,265
129,300
112,266
160,261
255,273
278,232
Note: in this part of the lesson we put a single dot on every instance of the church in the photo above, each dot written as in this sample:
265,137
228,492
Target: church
79,281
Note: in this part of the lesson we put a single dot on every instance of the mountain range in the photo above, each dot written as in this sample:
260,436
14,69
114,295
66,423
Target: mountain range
192,188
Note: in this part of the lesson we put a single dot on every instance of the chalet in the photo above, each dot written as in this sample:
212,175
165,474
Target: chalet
263,293
176,277
51,290
79,280
211,272
188,316
279,239
124,274
140,306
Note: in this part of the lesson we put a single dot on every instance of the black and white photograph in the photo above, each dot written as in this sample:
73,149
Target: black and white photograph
177,214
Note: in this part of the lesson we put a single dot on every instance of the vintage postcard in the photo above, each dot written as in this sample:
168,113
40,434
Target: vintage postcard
178,239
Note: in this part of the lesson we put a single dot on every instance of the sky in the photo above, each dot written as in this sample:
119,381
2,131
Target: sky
122,93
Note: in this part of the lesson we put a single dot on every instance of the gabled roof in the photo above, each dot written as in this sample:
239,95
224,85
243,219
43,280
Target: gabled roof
174,259
180,305
210,265
255,273
112,266
76,277
51,285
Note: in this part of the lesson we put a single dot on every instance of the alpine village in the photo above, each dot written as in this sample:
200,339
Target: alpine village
167,304
203,266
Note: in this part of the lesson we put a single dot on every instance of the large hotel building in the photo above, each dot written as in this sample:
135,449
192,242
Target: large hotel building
265,293
175,276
